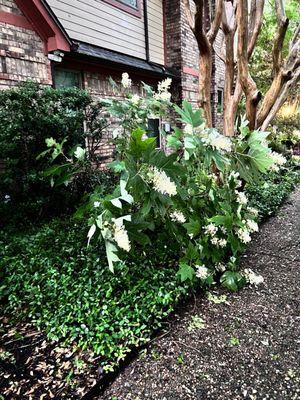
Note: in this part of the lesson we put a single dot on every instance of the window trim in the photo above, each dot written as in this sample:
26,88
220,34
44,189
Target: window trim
75,71
137,12
159,137
221,106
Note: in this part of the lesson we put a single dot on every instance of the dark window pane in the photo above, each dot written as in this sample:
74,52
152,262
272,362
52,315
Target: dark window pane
65,79
153,130
220,101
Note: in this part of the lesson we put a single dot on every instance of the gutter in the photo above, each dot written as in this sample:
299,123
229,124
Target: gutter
146,30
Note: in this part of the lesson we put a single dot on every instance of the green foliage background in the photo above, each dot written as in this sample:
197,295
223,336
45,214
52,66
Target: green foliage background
28,115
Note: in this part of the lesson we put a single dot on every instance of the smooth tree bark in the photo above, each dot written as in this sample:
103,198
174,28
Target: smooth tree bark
285,71
205,37
240,22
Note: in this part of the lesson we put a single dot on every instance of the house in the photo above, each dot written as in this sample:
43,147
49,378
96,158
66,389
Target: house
83,42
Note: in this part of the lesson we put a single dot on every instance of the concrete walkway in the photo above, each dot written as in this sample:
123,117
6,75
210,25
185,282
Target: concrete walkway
246,348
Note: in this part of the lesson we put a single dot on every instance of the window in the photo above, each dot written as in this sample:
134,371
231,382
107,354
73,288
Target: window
131,6
65,78
220,101
154,130
131,3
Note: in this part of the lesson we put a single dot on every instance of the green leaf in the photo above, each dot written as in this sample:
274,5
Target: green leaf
124,194
111,254
91,233
193,227
233,281
117,166
188,115
173,142
116,202
186,272
224,220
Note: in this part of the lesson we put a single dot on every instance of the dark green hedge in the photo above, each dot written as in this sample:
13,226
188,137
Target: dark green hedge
28,115
268,196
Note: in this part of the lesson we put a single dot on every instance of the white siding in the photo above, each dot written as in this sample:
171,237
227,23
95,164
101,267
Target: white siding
156,31
101,24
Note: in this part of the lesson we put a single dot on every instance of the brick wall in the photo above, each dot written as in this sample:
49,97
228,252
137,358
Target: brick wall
22,52
100,88
182,54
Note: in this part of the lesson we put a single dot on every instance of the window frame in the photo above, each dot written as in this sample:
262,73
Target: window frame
137,12
77,72
220,106
159,137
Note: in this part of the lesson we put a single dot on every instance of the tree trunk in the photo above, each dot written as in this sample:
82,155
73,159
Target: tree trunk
270,99
205,76
253,96
280,100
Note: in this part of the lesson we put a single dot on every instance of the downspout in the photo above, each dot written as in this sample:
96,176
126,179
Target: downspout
146,30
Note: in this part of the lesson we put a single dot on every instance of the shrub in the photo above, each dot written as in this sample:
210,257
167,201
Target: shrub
39,113
193,197
284,133
267,196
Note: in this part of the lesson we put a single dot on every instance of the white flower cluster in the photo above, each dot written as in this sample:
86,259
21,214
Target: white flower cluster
188,129
7,198
126,81
218,142
252,225
162,183
296,134
278,160
80,153
211,230
121,237
235,176
135,99
241,197
252,277
163,93
244,235
177,216
201,271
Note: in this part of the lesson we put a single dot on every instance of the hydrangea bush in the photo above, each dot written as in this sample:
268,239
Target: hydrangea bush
191,200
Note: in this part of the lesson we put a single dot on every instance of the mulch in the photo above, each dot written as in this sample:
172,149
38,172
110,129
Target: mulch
32,367
246,347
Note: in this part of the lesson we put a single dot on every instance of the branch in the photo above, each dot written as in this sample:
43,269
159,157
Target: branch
215,26
293,59
189,14
253,96
281,99
199,32
296,34
283,23
252,16
255,24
